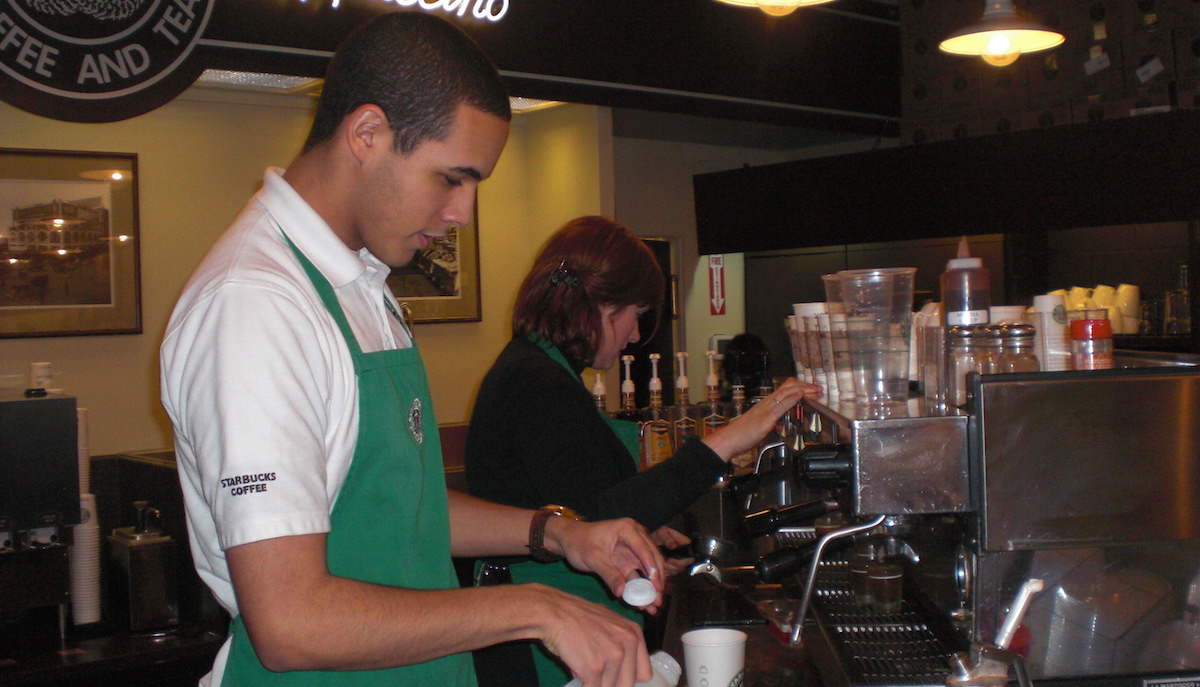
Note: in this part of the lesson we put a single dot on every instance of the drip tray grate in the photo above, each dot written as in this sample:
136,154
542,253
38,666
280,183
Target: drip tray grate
878,648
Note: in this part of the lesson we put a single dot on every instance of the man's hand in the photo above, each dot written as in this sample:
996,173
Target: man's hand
600,647
612,549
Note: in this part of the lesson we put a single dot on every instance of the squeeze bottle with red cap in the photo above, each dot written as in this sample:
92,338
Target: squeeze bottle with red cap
966,289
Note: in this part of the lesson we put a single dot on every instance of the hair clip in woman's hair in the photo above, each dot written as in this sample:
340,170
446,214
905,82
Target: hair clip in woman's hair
564,276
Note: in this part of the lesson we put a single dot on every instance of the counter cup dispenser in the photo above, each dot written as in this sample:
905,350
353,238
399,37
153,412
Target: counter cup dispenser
143,586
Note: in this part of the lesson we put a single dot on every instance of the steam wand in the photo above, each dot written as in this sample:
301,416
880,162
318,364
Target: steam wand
987,664
811,583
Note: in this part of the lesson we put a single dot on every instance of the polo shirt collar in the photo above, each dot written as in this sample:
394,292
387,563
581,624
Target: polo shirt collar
311,234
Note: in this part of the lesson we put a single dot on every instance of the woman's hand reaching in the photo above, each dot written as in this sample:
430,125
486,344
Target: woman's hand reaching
744,432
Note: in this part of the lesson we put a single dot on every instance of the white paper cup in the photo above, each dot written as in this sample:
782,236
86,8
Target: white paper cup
714,657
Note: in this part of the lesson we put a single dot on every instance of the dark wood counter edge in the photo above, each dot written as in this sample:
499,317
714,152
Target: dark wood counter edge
111,655
770,660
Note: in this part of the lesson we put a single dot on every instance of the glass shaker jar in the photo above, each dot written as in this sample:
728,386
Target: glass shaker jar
961,358
991,349
1019,353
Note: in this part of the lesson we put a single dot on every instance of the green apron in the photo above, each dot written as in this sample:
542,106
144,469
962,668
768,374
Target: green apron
391,523
550,672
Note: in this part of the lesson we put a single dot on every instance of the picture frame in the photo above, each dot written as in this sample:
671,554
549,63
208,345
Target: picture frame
69,243
441,284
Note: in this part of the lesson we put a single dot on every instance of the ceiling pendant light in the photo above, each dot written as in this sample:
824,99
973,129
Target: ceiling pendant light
777,8
1001,35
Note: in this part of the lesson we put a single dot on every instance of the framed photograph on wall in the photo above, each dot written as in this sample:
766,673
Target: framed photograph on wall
69,257
441,284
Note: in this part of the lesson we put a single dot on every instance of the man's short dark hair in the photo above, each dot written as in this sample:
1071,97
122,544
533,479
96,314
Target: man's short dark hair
415,67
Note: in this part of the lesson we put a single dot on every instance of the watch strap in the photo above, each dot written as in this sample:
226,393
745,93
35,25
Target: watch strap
537,536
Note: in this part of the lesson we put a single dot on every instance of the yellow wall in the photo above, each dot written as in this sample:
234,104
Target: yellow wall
200,158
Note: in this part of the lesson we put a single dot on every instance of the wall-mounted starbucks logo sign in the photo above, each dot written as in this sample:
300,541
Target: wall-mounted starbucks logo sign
98,60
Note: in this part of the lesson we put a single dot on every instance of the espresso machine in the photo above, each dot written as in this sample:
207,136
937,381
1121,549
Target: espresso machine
39,502
1051,526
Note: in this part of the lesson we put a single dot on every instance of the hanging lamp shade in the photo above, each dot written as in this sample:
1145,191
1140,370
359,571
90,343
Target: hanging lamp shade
1001,35
776,8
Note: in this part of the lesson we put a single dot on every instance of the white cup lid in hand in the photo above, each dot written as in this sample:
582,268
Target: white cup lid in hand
639,592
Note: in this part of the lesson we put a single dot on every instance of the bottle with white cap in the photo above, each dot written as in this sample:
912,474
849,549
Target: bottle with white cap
655,430
684,416
629,410
600,393
712,413
666,672
966,289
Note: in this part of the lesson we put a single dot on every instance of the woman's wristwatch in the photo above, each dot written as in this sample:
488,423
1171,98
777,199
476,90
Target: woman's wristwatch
537,532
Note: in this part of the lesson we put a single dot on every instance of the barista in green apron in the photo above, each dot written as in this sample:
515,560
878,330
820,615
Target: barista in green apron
560,575
390,524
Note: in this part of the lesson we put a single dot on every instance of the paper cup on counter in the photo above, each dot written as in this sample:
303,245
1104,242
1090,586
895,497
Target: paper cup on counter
714,657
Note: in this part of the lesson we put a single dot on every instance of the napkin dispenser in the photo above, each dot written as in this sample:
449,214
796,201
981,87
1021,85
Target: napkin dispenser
143,588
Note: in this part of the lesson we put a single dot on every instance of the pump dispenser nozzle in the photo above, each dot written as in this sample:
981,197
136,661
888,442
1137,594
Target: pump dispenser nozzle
711,380
627,385
655,382
681,380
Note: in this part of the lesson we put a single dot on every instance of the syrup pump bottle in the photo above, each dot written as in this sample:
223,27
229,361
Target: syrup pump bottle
966,289
712,413
685,417
600,393
655,431
629,410
738,407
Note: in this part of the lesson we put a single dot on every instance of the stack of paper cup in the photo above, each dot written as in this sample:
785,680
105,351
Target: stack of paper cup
85,564
84,450
806,323
795,337
1052,341
40,376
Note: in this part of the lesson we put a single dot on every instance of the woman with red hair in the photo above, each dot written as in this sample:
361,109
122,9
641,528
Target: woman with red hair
536,437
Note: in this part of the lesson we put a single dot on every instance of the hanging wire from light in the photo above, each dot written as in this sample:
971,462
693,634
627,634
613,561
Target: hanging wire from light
776,8
1001,35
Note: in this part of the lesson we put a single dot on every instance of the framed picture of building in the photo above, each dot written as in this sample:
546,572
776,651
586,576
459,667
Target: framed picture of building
68,243
441,284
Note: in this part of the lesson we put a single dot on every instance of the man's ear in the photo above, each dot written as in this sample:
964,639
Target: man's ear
367,132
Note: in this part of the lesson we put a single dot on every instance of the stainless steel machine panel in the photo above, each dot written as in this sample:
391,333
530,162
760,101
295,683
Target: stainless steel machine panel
1089,458
909,460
